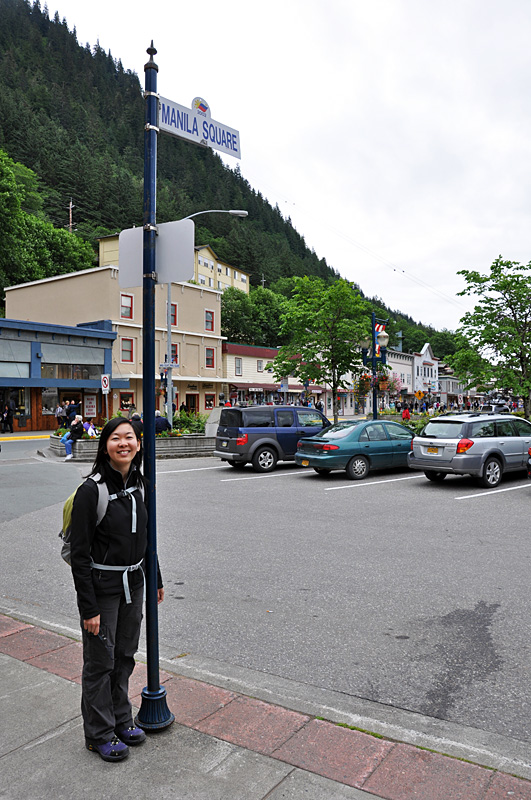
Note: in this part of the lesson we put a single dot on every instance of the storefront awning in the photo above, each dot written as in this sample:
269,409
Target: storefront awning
274,387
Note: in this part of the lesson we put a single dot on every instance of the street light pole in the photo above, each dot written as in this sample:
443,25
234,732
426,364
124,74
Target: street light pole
169,373
381,339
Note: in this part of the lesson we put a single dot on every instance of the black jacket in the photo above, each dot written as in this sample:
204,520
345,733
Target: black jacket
111,542
76,431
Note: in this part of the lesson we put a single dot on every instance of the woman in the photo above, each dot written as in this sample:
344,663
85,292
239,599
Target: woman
109,599
7,419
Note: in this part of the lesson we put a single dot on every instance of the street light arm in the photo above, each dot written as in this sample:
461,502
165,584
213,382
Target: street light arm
232,212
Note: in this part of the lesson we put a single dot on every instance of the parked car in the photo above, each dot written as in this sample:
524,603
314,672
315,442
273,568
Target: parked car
356,446
495,408
482,445
263,435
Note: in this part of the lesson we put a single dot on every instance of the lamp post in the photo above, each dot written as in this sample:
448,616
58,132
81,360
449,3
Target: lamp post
381,339
169,370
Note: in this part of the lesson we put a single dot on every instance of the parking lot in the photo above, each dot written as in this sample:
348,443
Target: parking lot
394,589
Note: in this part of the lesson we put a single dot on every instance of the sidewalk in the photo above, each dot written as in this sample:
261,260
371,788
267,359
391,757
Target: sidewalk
222,746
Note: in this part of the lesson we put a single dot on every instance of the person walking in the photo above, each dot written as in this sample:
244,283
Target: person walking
107,566
406,416
7,419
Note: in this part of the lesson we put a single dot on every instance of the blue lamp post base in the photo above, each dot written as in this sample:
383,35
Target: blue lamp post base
154,714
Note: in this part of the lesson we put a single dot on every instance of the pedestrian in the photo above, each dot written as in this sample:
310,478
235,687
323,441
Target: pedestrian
161,423
75,432
109,598
7,419
90,428
406,416
59,415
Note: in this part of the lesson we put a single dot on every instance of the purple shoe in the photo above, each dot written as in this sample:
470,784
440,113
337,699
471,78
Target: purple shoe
115,750
131,735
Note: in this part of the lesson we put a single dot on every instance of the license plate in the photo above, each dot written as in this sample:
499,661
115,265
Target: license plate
305,463
433,450
223,444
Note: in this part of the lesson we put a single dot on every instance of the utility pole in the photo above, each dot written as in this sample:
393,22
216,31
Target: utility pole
70,207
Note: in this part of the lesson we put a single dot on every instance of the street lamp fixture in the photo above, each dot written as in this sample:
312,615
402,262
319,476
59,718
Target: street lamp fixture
381,339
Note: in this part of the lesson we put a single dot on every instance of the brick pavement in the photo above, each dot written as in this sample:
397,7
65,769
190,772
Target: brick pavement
377,766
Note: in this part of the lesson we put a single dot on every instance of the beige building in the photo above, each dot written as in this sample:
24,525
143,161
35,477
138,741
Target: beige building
209,271
95,294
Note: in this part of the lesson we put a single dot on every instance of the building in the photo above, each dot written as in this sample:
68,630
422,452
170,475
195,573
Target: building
209,271
95,294
247,378
43,364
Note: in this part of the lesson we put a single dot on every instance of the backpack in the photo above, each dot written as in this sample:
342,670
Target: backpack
103,501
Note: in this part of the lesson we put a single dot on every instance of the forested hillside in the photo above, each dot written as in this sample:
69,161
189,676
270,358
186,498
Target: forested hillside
71,128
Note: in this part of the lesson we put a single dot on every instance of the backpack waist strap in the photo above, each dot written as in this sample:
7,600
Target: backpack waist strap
124,570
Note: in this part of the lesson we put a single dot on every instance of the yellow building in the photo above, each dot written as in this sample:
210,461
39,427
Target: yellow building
209,271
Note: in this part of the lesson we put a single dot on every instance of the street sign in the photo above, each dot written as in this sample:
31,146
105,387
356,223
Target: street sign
105,384
167,365
196,125
175,253
419,395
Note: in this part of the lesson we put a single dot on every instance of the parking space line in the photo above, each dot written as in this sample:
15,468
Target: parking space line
492,491
260,477
192,469
372,483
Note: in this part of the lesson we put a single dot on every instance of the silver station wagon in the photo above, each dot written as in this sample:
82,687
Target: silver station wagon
483,445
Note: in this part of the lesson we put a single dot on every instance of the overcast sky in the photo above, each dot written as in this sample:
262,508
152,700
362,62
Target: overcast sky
394,133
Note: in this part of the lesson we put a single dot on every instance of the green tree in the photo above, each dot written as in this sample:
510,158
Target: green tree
498,330
323,324
237,316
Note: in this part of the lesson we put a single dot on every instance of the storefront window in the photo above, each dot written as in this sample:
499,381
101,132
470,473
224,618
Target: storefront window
72,372
127,401
50,400
18,399
210,400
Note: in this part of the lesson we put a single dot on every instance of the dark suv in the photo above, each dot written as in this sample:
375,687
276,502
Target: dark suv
263,435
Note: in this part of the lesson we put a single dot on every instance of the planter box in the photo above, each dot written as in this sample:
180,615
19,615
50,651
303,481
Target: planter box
186,446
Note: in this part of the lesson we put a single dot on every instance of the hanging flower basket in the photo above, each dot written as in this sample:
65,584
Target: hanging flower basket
363,385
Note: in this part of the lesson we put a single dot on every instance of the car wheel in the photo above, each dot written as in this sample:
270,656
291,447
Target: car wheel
322,470
264,460
357,468
237,464
492,473
434,476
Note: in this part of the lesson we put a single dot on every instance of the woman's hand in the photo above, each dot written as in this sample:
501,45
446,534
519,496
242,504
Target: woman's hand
160,596
92,625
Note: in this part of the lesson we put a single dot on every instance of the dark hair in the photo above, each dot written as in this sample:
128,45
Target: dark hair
101,462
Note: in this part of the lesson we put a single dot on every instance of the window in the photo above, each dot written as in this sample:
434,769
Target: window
238,366
397,431
219,269
284,419
505,428
244,278
202,280
235,275
227,271
259,366
175,354
127,401
210,400
173,313
373,433
220,285
127,350
209,357
309,418
209,320
523,427
126,306
211,282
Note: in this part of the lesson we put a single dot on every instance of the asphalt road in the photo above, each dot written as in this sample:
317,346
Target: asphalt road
393,589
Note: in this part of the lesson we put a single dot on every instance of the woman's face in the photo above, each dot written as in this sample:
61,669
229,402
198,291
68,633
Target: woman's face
122,447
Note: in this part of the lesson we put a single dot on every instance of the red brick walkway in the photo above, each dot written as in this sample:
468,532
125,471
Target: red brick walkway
377,766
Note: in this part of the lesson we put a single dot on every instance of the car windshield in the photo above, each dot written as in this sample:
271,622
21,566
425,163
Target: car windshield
338,431
443,429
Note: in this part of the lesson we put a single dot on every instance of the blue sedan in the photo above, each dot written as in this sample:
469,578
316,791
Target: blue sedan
357,447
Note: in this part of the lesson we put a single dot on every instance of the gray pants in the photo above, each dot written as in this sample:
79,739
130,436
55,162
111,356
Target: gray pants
108,661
